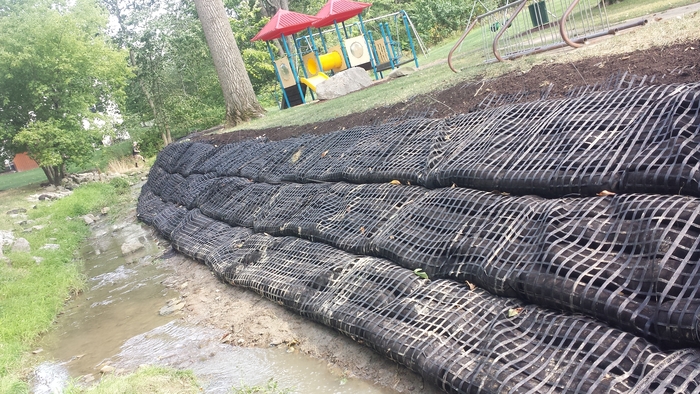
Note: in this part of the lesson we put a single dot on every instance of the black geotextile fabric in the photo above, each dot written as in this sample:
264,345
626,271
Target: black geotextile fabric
508,274
459,337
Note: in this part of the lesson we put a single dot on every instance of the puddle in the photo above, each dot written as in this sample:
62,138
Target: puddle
220,366
116,322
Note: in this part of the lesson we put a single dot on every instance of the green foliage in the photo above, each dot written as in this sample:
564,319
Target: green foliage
50,143
436,20
121,184
270,387
57,67
149,379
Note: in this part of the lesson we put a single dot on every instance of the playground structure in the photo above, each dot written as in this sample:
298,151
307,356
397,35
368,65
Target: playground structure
510,31
374,45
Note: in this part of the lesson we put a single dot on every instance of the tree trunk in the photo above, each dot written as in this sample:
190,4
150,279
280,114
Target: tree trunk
53,174
241,103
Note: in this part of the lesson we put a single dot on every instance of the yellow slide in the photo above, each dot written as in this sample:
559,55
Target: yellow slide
311,82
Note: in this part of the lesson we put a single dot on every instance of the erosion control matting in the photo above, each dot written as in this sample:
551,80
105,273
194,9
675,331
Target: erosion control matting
544,246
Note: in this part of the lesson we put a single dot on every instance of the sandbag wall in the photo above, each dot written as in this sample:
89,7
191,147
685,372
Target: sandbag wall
313,223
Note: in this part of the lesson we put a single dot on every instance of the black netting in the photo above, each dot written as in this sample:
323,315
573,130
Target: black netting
470,341
292,271
359,289
283,206
195,156
194,186
576,146
229,253
240,209
348,216
170,156
278,165
198,235
326,159
156,179
173,187
212,201
628,260
168,218
148,205
233,159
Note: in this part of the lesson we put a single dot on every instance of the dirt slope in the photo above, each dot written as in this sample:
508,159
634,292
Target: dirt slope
660,65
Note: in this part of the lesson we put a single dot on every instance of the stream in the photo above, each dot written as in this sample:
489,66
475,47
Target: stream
115,325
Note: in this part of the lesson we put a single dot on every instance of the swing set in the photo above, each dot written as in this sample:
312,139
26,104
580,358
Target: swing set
310,56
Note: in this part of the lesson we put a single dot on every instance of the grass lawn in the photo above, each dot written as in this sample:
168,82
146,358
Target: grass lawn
13,180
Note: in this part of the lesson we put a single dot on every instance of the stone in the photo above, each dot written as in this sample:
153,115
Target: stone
37,259
401,72
107,369
104,210
345,82
6,238
172,306
21,245
89,219
50,247
45,197
131,247
16,211
50,188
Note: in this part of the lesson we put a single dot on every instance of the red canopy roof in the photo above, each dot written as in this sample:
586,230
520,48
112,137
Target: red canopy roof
284,22
338,11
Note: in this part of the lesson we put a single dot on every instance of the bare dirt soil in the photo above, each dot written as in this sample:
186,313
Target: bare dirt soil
677,63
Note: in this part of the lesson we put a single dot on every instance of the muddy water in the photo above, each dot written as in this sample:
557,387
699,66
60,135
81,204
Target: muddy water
116,322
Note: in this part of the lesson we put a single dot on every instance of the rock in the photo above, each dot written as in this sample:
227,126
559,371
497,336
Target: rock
89,219
401,72
104,210
6,238
16,211
38,227
50,247
172,306
130,247
21,245
88,378
345,82
50,188
45,197
38,260
107,369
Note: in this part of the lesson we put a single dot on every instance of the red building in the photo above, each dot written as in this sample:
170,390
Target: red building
24,162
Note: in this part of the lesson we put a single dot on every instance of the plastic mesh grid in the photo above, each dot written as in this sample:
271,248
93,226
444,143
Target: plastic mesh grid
283,206
148,205
576,146
168,219
348,216
169,157
197,154
213,201
629,260
198,235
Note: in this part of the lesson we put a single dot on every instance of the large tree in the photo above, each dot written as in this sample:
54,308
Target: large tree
239,96
57,71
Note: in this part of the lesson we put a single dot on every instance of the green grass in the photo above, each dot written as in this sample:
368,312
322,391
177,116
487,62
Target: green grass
271,387
31,293
150,379
14,180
